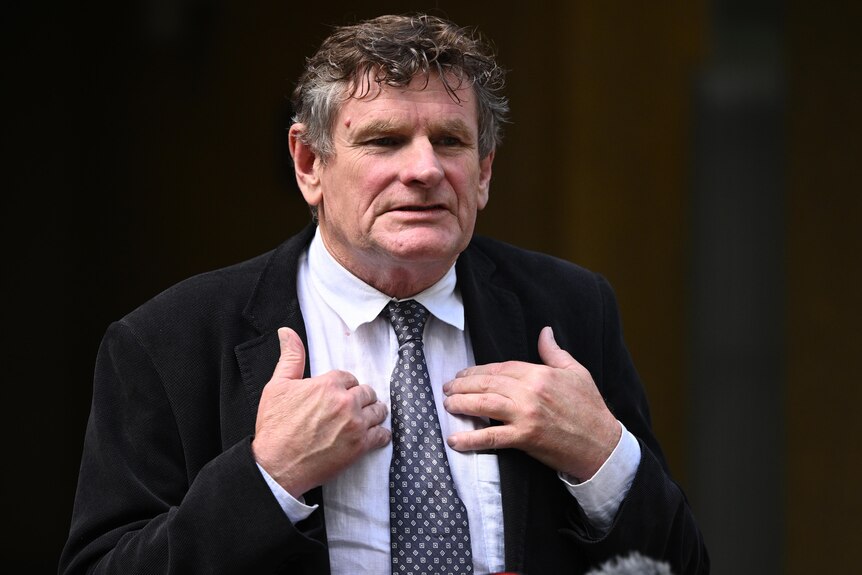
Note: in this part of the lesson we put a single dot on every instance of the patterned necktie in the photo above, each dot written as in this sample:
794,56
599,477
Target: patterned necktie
428,521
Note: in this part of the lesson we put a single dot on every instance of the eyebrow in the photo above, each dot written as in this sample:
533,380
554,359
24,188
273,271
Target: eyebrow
374,128
392,126
453,126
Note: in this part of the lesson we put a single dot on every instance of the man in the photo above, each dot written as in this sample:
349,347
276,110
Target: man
384,392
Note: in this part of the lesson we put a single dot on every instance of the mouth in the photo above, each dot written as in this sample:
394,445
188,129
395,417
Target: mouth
430,208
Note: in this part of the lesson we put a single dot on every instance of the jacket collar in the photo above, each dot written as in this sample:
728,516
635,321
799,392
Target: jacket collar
273,304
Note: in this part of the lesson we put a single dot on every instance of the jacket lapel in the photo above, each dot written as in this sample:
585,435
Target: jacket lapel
497,332
274,304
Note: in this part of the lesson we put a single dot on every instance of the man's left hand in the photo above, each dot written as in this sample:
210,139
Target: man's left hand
553,412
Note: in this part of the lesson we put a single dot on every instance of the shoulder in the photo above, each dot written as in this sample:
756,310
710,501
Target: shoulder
218,299
530,270
540,290
549,290
223,290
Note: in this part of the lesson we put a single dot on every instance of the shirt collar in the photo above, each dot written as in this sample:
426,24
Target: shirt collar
357,303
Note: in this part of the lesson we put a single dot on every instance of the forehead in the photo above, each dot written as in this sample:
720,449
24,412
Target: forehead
427,100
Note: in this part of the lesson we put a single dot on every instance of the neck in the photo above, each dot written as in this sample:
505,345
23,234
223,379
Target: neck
400,283
400,279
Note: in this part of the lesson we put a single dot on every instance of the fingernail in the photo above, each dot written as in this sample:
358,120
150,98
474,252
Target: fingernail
553,339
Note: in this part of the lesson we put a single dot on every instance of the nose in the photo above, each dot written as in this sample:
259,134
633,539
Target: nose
421,165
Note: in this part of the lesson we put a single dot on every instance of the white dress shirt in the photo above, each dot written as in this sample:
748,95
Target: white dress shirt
346,332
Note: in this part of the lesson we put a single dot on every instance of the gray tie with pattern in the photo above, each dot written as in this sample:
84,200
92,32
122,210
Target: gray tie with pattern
428,521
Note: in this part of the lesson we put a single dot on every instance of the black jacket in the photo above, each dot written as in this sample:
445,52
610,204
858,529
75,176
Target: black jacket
168,483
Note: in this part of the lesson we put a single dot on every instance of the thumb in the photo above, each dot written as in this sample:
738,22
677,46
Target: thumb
552,354
291,363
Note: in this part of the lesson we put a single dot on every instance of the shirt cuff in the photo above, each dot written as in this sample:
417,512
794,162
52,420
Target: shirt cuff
295,509
601,495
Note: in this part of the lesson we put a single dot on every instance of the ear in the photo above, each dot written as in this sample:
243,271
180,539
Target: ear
306,164
485,179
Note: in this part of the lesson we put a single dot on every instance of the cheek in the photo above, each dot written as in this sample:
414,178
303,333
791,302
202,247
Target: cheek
343,191
470,196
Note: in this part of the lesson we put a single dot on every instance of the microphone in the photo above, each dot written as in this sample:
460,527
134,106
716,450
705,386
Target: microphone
632,564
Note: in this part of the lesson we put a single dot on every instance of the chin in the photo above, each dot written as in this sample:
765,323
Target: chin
425,247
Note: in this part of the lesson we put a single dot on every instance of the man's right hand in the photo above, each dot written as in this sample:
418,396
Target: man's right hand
309,430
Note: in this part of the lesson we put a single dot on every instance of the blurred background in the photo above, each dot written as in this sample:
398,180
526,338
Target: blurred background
702,155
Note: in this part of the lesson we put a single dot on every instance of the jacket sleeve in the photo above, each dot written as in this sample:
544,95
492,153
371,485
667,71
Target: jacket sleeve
140,507
655,517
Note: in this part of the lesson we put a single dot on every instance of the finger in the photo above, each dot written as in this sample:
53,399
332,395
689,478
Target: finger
343,378
508,368
378,437
493,437
491,405
365,394
291,363
483,383
552,354
374,414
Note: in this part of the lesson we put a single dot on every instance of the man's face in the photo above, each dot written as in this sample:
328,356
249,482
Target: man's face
405,181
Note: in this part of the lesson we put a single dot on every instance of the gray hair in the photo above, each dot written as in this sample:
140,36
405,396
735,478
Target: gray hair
392,51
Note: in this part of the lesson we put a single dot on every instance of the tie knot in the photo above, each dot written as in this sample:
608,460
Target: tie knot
408,319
